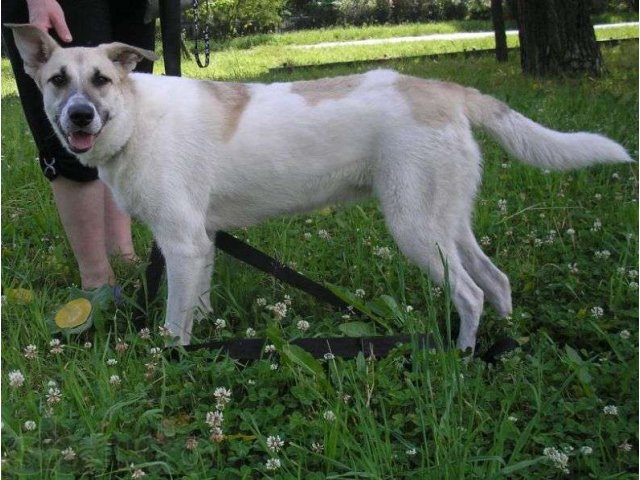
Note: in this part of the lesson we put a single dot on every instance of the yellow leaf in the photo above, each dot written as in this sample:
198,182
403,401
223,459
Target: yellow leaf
20,296
74,313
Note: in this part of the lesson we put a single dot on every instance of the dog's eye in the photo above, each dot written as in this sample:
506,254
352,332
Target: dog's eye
100,80
58,80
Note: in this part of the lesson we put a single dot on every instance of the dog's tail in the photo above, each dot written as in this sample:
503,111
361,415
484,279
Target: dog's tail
536,145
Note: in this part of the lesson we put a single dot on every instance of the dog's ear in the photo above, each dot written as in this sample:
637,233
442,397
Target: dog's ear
126,56
34,45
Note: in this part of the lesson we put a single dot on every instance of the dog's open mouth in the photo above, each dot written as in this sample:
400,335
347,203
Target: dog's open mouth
81,142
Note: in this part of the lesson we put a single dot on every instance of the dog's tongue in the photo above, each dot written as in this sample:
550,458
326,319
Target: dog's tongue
81,141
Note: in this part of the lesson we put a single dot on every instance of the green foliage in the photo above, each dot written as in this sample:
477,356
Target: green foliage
232,18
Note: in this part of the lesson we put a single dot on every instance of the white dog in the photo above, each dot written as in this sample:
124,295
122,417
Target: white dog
192,157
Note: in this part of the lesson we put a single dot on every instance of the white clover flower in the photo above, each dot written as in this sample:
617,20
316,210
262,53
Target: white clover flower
274,366
411,452
112,361
502,206
586,450
87,345
309,221
222,396
214,419
624,334
68,454
145,334
633,286
317,447
346,317
303,325
115,380
324,235
137,472
217,435
360,293
29,425
329,356
287,300
220,324
56,346
573,268
269,348
408,309
275,443
280,310
610,410
597,312
16,379
632,274
560,460
164,332
121,346
30,352
382,252
597,226
625,447
571,232
598,196
512,418
307,236
329,416
272,464
602,254
155,351
261,302
191,443
485,241
250,332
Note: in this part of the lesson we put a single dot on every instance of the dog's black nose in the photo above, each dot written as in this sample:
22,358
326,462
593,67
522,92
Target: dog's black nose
81,114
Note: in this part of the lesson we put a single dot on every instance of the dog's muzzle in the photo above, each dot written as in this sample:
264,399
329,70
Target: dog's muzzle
80,123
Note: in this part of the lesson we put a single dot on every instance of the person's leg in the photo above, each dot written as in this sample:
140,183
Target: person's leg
118,238
78,195
82,212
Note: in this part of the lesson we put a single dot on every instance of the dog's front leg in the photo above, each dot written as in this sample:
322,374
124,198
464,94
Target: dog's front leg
185,264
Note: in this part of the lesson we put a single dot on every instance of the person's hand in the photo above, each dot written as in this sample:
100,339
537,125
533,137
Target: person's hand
47,15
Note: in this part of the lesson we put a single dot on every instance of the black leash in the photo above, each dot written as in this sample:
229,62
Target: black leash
327,348
196,30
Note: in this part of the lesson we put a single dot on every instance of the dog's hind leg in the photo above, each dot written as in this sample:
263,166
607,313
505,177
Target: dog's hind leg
490,279
427,238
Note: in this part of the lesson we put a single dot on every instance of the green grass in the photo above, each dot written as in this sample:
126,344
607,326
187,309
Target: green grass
464,419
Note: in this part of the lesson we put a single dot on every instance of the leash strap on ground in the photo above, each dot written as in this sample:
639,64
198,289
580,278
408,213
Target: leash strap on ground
342,347
260,260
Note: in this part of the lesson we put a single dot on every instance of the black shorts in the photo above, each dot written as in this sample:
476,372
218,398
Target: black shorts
91,23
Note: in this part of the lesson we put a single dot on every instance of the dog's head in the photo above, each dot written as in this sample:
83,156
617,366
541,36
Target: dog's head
83,88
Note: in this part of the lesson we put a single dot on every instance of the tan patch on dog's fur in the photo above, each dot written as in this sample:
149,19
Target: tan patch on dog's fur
316,91
432,103
234,98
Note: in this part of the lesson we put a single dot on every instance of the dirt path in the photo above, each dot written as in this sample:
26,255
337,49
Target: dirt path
432,37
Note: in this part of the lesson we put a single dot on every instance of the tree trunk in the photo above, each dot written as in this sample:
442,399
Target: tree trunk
497,17
557,38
